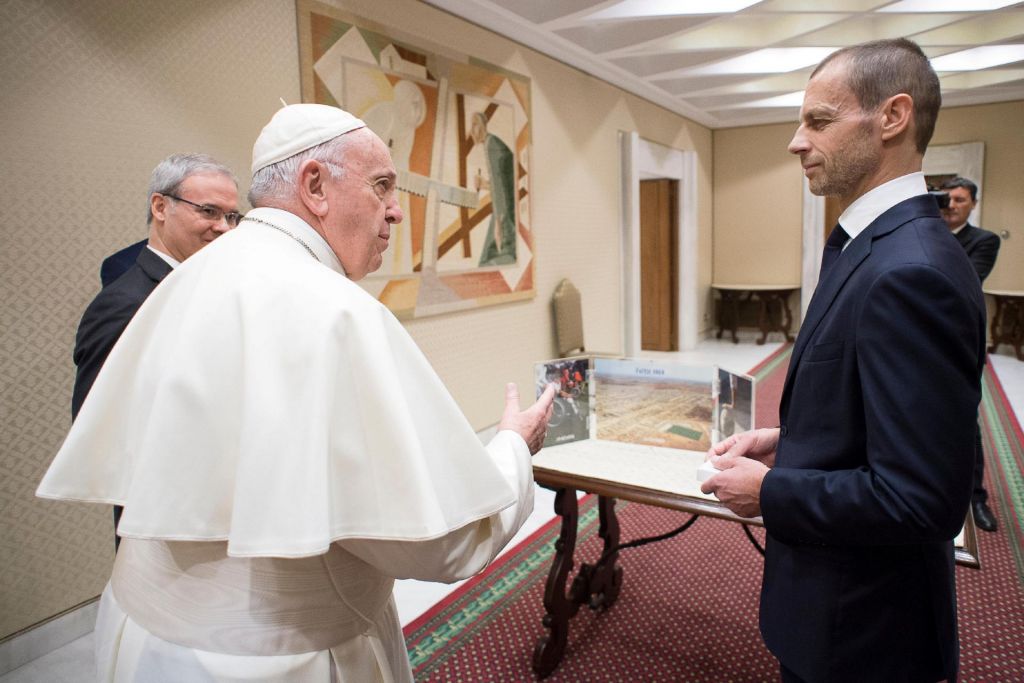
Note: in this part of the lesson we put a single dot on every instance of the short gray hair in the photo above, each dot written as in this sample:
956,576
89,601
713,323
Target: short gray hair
170,173
879,69
277,181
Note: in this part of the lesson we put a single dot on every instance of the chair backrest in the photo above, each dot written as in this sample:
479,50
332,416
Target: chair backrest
568,319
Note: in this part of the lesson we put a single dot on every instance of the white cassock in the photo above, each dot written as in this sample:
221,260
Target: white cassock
283,452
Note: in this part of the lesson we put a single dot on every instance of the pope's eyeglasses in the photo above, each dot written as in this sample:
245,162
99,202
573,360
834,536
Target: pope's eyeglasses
211,213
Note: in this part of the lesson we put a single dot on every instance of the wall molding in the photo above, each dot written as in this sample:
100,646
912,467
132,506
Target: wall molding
22,647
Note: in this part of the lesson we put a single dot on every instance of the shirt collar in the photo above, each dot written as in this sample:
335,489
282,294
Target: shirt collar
873,203
171,261
302,231
956,231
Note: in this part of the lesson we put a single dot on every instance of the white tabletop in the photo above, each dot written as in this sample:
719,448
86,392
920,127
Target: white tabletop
670,470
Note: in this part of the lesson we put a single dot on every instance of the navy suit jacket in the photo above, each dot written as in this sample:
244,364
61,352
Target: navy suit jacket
981,246
118,263
107,317
872,477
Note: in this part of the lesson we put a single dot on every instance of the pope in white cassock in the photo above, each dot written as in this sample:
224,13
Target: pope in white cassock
281,447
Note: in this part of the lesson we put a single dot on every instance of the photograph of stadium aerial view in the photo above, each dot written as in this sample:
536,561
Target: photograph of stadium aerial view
657,404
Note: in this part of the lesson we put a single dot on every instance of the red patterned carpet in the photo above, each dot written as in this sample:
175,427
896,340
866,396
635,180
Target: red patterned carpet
688,607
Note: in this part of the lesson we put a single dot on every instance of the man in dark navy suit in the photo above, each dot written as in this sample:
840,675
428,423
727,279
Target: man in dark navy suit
193,199
866,481
982,247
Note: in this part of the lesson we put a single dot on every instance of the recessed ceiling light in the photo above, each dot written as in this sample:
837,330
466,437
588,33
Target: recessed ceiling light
979,58
770,60
946,5
636,9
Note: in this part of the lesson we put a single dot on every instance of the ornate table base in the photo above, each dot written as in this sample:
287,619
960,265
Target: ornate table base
602,469
597,584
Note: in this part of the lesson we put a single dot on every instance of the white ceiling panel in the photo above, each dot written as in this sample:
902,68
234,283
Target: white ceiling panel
694,61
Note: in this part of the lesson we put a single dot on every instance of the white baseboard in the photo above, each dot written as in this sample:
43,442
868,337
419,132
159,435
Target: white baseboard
47,637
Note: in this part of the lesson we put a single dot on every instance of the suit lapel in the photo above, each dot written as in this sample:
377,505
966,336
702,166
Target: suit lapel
854,254
964,236
824,294
155,268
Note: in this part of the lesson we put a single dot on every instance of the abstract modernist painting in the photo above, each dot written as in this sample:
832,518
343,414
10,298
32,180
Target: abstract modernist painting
459,134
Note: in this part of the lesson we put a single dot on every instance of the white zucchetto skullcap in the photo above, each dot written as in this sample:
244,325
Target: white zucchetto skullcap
296,128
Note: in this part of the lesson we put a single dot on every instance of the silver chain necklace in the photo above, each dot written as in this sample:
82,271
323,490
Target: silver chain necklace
280,229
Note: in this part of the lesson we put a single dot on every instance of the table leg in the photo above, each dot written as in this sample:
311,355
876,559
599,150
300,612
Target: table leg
768,321
731,308
995,331
559,607
1008,325
789,317
763,317
1017,332
599,584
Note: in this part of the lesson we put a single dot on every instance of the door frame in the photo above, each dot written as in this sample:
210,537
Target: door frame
645,160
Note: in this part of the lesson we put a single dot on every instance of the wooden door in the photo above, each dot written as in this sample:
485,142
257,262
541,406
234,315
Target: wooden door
831,215
659,280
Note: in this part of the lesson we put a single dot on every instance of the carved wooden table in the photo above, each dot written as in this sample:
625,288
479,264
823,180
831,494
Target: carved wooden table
1008,321
664,477
773,314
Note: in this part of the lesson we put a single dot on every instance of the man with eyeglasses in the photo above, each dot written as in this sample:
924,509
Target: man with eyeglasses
118,263
193,199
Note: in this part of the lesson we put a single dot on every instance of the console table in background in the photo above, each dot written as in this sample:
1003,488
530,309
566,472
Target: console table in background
773,314
1008,321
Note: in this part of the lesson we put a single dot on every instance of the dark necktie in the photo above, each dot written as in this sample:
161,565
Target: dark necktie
833,247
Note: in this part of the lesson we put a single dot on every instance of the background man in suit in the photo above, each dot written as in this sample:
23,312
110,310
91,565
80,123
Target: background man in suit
866,481
118,263
982,247
193,199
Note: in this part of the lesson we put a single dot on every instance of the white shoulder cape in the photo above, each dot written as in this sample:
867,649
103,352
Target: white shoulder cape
262,398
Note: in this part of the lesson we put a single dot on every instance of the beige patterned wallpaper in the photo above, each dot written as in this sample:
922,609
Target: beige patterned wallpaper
96,92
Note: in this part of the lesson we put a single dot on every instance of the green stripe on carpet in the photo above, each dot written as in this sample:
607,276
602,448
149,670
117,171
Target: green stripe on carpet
1001,439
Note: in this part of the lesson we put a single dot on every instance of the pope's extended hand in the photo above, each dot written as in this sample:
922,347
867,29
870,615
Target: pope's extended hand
532,423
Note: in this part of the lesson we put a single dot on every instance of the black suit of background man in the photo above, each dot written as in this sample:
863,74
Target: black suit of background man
982,247
118,263
192,200
107,317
